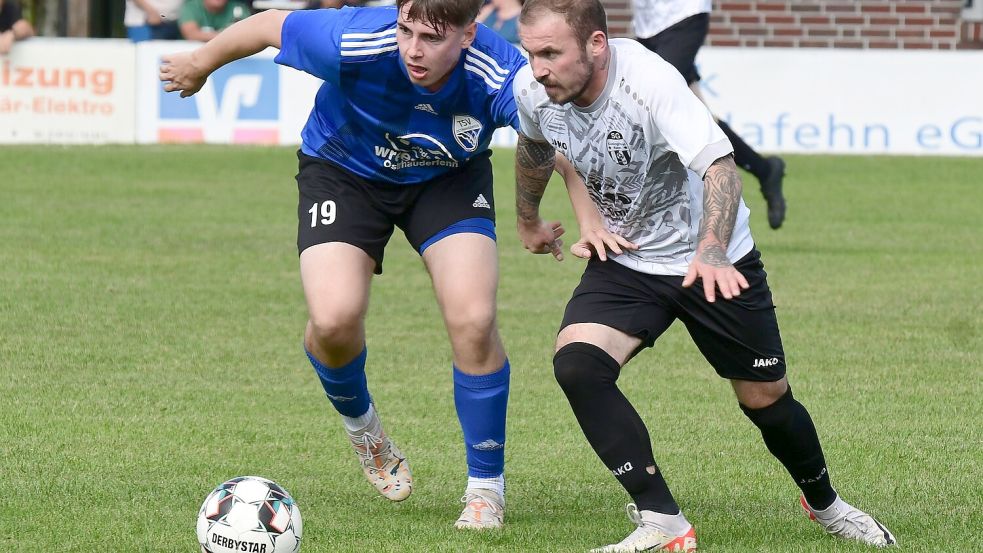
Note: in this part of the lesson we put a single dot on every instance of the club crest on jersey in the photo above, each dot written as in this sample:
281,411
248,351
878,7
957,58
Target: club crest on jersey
618,148
467,129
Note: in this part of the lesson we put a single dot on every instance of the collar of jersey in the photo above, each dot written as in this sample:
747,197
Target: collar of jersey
612,77
449,87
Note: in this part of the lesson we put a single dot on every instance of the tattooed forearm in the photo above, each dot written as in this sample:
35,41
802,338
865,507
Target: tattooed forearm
534,162
721,198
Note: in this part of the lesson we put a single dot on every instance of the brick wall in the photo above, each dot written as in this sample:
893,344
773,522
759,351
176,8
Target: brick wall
921,24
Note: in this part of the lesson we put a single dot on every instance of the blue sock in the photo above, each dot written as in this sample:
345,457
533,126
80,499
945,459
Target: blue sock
346,386
481,403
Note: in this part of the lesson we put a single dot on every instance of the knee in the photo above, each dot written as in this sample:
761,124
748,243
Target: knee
771,413
581,368
472,326
758,395
332,330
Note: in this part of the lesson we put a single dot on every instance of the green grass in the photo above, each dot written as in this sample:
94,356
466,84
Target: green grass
150,324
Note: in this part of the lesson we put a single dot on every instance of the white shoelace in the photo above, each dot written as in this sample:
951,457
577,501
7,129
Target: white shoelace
368,442
855,523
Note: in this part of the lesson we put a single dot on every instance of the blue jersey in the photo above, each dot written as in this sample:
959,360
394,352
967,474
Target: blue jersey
370,119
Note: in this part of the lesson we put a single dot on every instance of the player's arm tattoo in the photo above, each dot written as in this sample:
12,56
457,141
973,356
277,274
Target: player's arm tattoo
534,161
721,198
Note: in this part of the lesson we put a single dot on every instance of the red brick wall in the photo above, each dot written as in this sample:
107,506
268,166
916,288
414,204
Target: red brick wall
922,24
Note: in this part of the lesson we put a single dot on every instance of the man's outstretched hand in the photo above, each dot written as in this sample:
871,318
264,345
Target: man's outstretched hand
716,271
180,72
598,240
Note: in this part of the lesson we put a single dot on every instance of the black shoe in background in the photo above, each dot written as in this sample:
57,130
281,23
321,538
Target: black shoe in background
771,189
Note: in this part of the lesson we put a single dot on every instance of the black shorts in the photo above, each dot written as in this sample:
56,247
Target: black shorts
679,44
739,337
336,205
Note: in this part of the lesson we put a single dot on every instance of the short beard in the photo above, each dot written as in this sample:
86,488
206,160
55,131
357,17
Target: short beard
587,61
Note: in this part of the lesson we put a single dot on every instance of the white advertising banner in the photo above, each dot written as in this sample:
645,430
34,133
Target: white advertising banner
848,101
779,100
67,91
249,101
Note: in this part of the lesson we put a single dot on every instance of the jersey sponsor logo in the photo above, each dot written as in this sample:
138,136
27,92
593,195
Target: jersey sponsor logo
467,129
559,145
488,445
765,362
425,107
622,469
615,204
414,150
239,103
618,148
480,201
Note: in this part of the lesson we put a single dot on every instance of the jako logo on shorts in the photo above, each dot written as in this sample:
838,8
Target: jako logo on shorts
240,104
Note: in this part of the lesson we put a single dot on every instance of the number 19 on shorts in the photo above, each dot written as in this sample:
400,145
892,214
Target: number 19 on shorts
327,213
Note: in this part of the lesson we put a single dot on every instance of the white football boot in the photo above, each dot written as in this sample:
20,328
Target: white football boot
650,536
846,521
383,465
483,510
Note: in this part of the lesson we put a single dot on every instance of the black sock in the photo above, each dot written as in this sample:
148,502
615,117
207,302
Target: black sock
587,375
791,437
744,155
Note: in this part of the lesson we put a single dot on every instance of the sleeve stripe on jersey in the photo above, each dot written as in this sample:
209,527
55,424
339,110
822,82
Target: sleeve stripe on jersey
481,73
487,58
356,36
367,43
488,73
370,51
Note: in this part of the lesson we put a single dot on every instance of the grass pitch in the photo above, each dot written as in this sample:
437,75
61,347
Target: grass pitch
150,348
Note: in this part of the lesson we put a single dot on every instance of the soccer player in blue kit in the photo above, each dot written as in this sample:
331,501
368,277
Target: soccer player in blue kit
398,136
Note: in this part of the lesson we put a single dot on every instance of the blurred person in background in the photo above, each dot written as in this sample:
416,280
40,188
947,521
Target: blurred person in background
502,16
676,29
202,20
13,26
152,19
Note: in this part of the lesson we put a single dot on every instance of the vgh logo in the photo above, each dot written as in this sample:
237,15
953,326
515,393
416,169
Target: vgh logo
240,103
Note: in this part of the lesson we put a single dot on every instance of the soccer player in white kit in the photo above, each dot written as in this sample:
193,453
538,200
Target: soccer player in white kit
666,199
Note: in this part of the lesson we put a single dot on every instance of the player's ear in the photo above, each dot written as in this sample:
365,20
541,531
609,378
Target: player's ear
596,43
469,32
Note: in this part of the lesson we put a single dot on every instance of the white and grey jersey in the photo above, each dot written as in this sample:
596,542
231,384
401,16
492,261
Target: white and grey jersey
642,148
651,17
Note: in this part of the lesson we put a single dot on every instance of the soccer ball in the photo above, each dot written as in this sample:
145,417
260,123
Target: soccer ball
249,514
